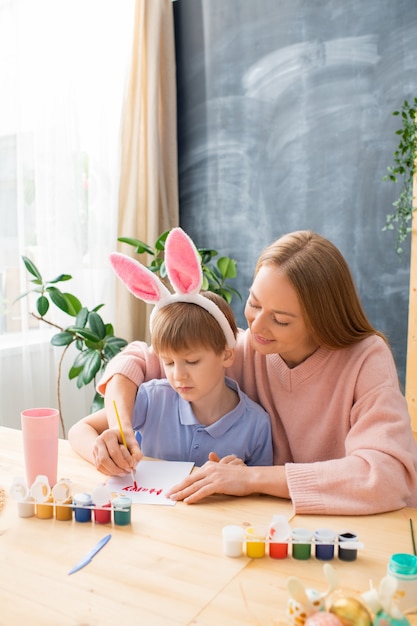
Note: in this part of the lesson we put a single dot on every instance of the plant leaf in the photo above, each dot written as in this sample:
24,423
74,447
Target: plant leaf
227,267
160,242
85,333
60,278
74,372
82,317
31,268
140,246
97,325
58,298
113,346
62,339
42,305
91,367
74,305
97,403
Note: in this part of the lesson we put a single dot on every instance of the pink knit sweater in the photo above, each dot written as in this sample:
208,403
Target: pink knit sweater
339,422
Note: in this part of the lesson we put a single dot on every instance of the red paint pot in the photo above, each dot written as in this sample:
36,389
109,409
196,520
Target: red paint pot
102,515
279,533
278,550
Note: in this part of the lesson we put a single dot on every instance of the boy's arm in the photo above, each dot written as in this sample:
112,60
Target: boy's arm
122,391
83,435
97,437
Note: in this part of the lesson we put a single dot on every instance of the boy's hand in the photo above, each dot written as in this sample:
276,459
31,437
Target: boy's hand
110,455
230,458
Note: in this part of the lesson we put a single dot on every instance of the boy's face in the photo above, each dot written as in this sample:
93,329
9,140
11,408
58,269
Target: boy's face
195,374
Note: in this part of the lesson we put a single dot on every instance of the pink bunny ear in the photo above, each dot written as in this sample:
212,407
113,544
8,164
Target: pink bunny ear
183,262
138,279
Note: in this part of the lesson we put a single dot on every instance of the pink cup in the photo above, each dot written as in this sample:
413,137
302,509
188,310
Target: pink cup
40,432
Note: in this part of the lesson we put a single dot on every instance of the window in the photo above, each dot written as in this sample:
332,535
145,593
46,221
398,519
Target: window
63,69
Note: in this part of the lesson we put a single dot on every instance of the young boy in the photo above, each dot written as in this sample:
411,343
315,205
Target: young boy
195,410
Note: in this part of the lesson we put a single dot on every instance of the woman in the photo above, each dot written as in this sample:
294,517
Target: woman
341,430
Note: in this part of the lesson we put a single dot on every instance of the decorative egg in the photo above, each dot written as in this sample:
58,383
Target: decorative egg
351,612
322,618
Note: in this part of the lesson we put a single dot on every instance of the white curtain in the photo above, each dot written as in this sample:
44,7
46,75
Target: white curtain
63,73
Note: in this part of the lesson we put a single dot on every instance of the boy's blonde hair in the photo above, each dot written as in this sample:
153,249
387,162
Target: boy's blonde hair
181,326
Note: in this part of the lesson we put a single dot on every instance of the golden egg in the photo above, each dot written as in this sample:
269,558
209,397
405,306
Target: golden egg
351,612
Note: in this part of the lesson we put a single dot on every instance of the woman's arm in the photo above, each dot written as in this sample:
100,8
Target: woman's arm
231,479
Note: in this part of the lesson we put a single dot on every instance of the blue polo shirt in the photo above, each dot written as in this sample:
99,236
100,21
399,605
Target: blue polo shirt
170,430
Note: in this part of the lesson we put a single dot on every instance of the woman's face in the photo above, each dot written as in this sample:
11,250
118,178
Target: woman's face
274,317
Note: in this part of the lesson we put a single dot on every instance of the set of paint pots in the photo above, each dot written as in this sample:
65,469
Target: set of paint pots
275,541
101,506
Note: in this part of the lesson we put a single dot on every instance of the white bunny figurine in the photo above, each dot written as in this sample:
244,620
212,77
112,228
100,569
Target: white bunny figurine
305,602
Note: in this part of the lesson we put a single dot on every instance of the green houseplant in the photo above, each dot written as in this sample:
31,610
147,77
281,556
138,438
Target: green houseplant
216,271
95,340
402,172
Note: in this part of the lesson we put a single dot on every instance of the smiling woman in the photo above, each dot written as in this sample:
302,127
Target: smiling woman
278,329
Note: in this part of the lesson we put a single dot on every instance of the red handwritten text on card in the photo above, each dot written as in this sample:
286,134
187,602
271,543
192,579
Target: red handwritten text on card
139,489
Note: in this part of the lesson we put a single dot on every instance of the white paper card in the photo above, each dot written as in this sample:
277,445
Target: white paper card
153,480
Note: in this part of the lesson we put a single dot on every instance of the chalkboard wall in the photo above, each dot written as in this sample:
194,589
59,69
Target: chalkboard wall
285,122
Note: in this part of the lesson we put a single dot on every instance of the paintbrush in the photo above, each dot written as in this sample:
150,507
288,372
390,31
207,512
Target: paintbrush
132,472
412,537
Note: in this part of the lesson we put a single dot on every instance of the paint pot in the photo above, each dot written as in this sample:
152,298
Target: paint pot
25,502
279,535
41,493
301,543
102,514
345,553
61,493
45,510
325,540
403,568
64,513
102,505
232,540
26,507
255,542
122,506
82,507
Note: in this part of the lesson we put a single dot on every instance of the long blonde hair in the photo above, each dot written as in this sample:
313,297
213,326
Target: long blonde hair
324,285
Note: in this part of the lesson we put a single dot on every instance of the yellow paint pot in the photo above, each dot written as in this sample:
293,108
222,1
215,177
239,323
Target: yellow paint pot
45,511
255,542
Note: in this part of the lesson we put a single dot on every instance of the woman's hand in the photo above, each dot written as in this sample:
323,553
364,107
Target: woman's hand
110,455
228,476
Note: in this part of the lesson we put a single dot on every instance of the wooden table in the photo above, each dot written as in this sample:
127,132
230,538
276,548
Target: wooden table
167,568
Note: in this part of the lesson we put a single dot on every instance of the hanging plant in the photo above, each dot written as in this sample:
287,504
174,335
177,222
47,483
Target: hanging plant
402,172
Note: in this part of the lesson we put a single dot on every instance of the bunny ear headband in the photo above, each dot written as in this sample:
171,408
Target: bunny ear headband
183,265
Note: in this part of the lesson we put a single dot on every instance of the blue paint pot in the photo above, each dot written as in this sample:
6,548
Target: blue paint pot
80,501
324,539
